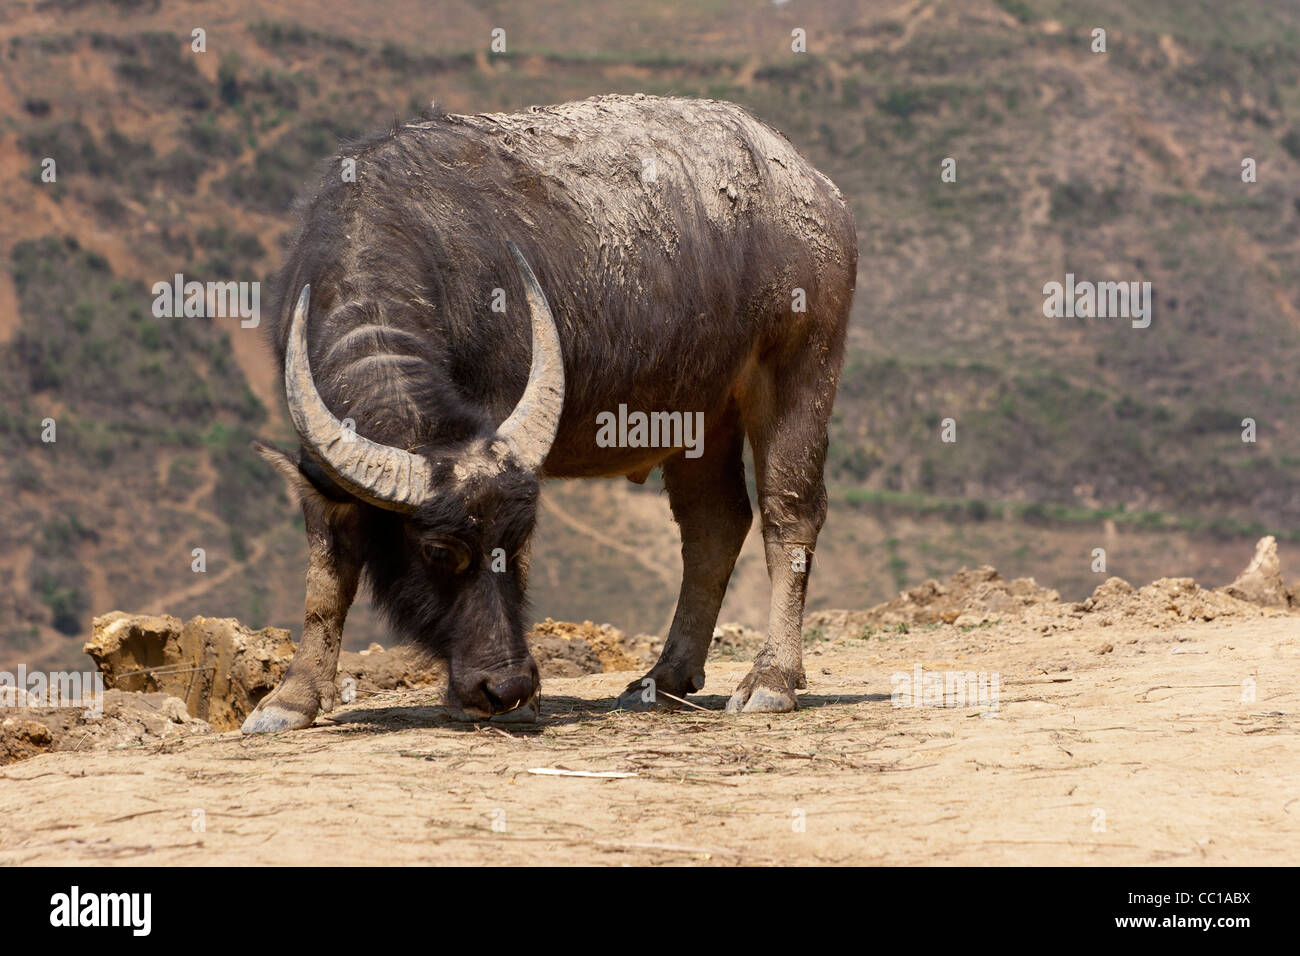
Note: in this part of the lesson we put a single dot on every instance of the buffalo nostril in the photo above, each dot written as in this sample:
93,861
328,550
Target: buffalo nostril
508,694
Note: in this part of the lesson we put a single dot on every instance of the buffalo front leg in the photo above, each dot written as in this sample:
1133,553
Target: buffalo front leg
711,505
309,685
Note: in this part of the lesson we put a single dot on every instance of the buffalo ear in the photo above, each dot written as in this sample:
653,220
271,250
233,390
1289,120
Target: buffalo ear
301,488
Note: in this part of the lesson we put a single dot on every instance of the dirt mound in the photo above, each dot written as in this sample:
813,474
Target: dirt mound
979,596
1162,602
217,666
376,669
562,649
968,598
21,738
734,640
128,719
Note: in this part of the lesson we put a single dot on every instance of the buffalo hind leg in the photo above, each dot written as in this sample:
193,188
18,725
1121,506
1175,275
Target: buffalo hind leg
309,685
787,430
711,505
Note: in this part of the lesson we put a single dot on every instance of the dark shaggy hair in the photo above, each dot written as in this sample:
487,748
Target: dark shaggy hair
403,261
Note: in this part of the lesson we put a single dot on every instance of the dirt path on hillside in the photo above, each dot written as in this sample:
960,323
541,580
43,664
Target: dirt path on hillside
206,583
639,555
1109,745
193,504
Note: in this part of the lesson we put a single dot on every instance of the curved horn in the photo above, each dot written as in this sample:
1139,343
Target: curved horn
379,474
530,430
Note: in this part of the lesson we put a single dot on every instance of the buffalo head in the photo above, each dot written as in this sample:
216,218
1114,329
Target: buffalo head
447,533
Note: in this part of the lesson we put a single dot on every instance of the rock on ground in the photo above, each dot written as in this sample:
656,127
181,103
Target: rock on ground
1261,581
21,738
217,666
127,719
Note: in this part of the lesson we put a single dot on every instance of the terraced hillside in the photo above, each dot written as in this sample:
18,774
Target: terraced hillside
1072,434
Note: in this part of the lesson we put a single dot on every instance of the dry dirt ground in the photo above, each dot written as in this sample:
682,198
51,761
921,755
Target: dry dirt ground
1125,742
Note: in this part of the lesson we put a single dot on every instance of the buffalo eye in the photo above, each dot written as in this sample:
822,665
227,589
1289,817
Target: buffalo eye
447,553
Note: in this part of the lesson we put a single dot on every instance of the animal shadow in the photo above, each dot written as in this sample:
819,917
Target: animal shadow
555,710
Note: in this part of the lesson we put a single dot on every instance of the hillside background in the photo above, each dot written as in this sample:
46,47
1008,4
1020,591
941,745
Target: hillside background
1072,434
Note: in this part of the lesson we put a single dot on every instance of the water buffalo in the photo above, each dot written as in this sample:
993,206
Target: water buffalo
684,259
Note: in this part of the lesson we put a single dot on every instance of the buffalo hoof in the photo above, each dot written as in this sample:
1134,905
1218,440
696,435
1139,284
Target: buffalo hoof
291,706
766,691
273,718
643,695
635,699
